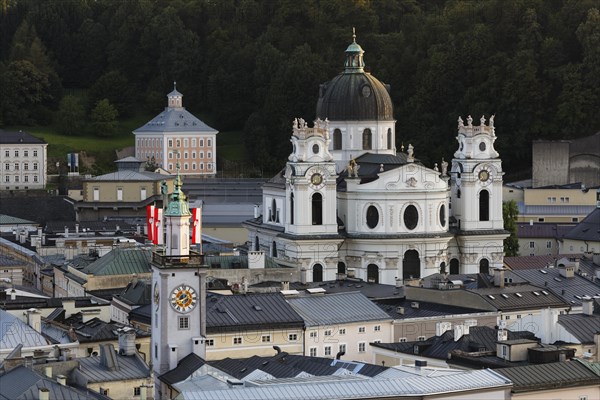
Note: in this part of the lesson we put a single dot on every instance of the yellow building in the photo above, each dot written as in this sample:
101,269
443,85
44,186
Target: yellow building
556,204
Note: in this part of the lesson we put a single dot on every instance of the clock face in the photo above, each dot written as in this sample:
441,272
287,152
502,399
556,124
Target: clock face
484,175
316,179
156,294
184,298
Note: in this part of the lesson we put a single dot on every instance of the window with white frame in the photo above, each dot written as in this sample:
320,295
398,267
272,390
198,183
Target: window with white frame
183,322
312,351
342,331
201,166
178,143
237,340
170,143
193,154
16,166
35,166
377,328
266,338
327,332
194,166
327,351
194,142
185,143
201,142
548,244
16,153
26,166
313,334
7,166
35,153
361,329
26,177
361,347
531,245
292,337
137,391
342,347
25,153
185,154
209,155
7,153
208,142
210,342
35,178
7,179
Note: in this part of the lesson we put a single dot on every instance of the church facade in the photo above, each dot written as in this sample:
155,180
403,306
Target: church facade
349,204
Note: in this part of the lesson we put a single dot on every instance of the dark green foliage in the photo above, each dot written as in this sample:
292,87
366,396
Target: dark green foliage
256,65
104,119
70,118
510,212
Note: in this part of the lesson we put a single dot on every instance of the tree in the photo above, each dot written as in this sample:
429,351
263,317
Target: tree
25,88
114,87
70,118
510,211
104,119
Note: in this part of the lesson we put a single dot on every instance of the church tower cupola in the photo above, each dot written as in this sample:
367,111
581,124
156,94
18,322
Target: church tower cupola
175,98
354,57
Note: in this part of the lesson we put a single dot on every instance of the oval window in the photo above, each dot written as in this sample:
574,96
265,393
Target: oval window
372,217
443,215
315,148
482,146
411,217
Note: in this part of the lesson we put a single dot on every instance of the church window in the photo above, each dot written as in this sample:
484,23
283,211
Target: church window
411,265
484,205
318,273
411,217
341,268
274,249
367,139
315,149
273,211
443,268
482,146
337,139
484,266
372,273
317,209
389,138
292,208
454,266
372,217
443,215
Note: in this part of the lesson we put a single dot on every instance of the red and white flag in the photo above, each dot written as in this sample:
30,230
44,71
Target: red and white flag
150,222
158,226
196,225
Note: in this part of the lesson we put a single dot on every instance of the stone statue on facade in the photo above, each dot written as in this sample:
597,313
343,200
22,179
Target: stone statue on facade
410,153
469,121
482,120
444,167
353,169
461,123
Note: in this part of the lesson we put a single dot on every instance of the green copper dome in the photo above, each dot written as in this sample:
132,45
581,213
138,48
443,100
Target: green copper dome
178,205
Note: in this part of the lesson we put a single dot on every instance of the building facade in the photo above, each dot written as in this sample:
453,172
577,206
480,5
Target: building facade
23,160
348,203
176,136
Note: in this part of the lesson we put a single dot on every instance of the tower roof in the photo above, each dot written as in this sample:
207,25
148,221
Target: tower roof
354,95
178,205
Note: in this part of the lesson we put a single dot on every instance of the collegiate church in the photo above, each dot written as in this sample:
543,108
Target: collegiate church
349,204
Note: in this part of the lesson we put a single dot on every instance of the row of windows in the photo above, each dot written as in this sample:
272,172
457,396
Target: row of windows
186,166
342,331
548,244
16,153
410,217
367,139
16,166
562,199
17,179
185,154
193,141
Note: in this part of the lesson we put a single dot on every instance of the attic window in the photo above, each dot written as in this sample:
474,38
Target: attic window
504,295
257,308
544,293
536,293
558,279
543,271
518,295
491,297
578,297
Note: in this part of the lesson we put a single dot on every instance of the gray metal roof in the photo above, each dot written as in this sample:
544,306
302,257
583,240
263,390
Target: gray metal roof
582,326
13,332
526,299
252,311
137,292
535,262
121,261
570,290
554,210
20,137
425,309
550,376
175,120
351,387
128,367
338,308
10,220
588,229
130,176
555,231
185,367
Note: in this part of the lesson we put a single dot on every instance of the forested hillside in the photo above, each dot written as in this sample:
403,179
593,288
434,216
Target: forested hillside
257,64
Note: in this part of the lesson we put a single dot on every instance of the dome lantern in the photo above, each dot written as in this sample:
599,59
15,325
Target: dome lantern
354,57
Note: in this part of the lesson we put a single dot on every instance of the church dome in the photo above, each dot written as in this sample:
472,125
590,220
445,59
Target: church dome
354,94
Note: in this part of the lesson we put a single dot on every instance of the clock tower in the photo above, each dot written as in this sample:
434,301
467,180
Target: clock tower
178,281
477,197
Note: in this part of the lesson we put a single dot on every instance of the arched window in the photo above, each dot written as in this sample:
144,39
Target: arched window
256,244
317,209
337,139
318,273
373,273
273,215
292,208
367,139
454,267
389,139
341,268
274,249
443,215
443,268
484,205
484,266
411,265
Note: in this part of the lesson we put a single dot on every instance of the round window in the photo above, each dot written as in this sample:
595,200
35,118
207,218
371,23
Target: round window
411,217
482,146
315,149
372,217
443,215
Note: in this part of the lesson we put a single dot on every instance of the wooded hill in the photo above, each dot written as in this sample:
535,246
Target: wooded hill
257,64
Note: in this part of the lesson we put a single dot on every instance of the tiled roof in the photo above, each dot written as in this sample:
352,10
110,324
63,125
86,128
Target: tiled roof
121,261
558,375
569,289
582,326
588,229
331,309
253,311
20,137
174,119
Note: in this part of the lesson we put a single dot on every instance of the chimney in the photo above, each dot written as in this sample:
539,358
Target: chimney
126,341
499,277
285,285
587,305
77,229
256,211
61,379
442,327
172,356
303,276
339,355
43,394
13,294
34,319
198,347
48,372
502,335
66,231
459,331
